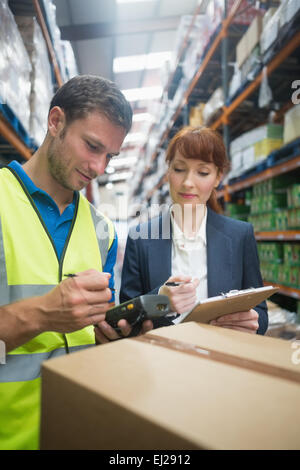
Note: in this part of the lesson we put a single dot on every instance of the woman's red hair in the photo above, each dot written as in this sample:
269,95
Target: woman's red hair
200,143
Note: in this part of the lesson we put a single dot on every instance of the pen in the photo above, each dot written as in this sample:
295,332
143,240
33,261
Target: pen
175,284
74,275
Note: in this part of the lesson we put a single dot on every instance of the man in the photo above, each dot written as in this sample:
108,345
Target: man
49,231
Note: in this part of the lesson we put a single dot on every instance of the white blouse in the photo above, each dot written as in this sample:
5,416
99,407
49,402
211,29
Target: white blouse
189,258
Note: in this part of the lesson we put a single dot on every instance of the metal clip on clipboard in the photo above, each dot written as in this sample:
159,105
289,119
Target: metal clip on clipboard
234,292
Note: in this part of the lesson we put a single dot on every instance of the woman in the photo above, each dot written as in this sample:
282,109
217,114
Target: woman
193,243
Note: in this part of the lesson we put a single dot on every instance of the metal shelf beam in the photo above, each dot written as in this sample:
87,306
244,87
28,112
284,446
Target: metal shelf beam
285,290
279,235
12,137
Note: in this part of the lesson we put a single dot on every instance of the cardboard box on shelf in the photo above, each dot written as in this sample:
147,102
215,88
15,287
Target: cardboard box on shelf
267,131
251,64
241,51
268,15
247,11
214,106
196,115
40,77
249,157
248,42
253,33
292,123
293,195
188,386
264,147
270,31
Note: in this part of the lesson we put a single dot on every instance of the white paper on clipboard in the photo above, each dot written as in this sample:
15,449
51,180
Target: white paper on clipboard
231,302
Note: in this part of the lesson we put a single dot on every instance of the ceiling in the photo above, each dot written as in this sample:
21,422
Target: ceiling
101,30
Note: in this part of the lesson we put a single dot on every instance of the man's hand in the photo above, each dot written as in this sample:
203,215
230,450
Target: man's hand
241,321
182,298
105,333
76,302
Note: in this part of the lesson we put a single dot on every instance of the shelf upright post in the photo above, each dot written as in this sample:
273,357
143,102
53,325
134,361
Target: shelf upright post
48,42
224,68
186,114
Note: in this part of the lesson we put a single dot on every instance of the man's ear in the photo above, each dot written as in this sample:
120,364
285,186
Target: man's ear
56,121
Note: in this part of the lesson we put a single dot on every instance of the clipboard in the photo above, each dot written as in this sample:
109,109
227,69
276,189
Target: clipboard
232,302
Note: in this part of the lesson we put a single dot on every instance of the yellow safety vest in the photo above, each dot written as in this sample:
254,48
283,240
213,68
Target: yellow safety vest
29,267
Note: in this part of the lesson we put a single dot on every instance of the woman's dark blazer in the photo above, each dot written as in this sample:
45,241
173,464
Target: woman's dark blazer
232,259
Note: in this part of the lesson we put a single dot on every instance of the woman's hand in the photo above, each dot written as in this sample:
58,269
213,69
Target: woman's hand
182,298
241,321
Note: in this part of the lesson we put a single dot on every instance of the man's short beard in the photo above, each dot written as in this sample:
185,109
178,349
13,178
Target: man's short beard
56,164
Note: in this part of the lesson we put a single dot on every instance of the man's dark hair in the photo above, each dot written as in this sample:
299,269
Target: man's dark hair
87,93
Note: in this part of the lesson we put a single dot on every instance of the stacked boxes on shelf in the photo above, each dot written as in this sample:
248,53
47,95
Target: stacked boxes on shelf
276,20
247,11
259,39
292,119
15,67
196,115
275,204
254,146
280,263
249,41
237,211
214,106
50,9
198,39
69,60
247,55
293,199
26,81
41,79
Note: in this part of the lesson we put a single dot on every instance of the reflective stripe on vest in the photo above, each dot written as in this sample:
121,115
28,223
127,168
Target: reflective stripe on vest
29,266
30,364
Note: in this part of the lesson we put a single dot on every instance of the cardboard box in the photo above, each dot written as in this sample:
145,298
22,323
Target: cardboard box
267,131
264,147
270,31
242,51
292,121
248,42
196,115
174,388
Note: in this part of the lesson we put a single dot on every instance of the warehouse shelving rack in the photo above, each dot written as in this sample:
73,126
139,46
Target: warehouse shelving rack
20,142
220,35
227,111
287,50
225,119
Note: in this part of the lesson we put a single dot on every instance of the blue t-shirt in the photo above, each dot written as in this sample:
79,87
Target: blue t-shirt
58,225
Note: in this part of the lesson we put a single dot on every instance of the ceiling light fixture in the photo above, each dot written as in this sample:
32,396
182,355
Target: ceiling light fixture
116,163
134,137
153,60
139,117
133,1
146,93
121,176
